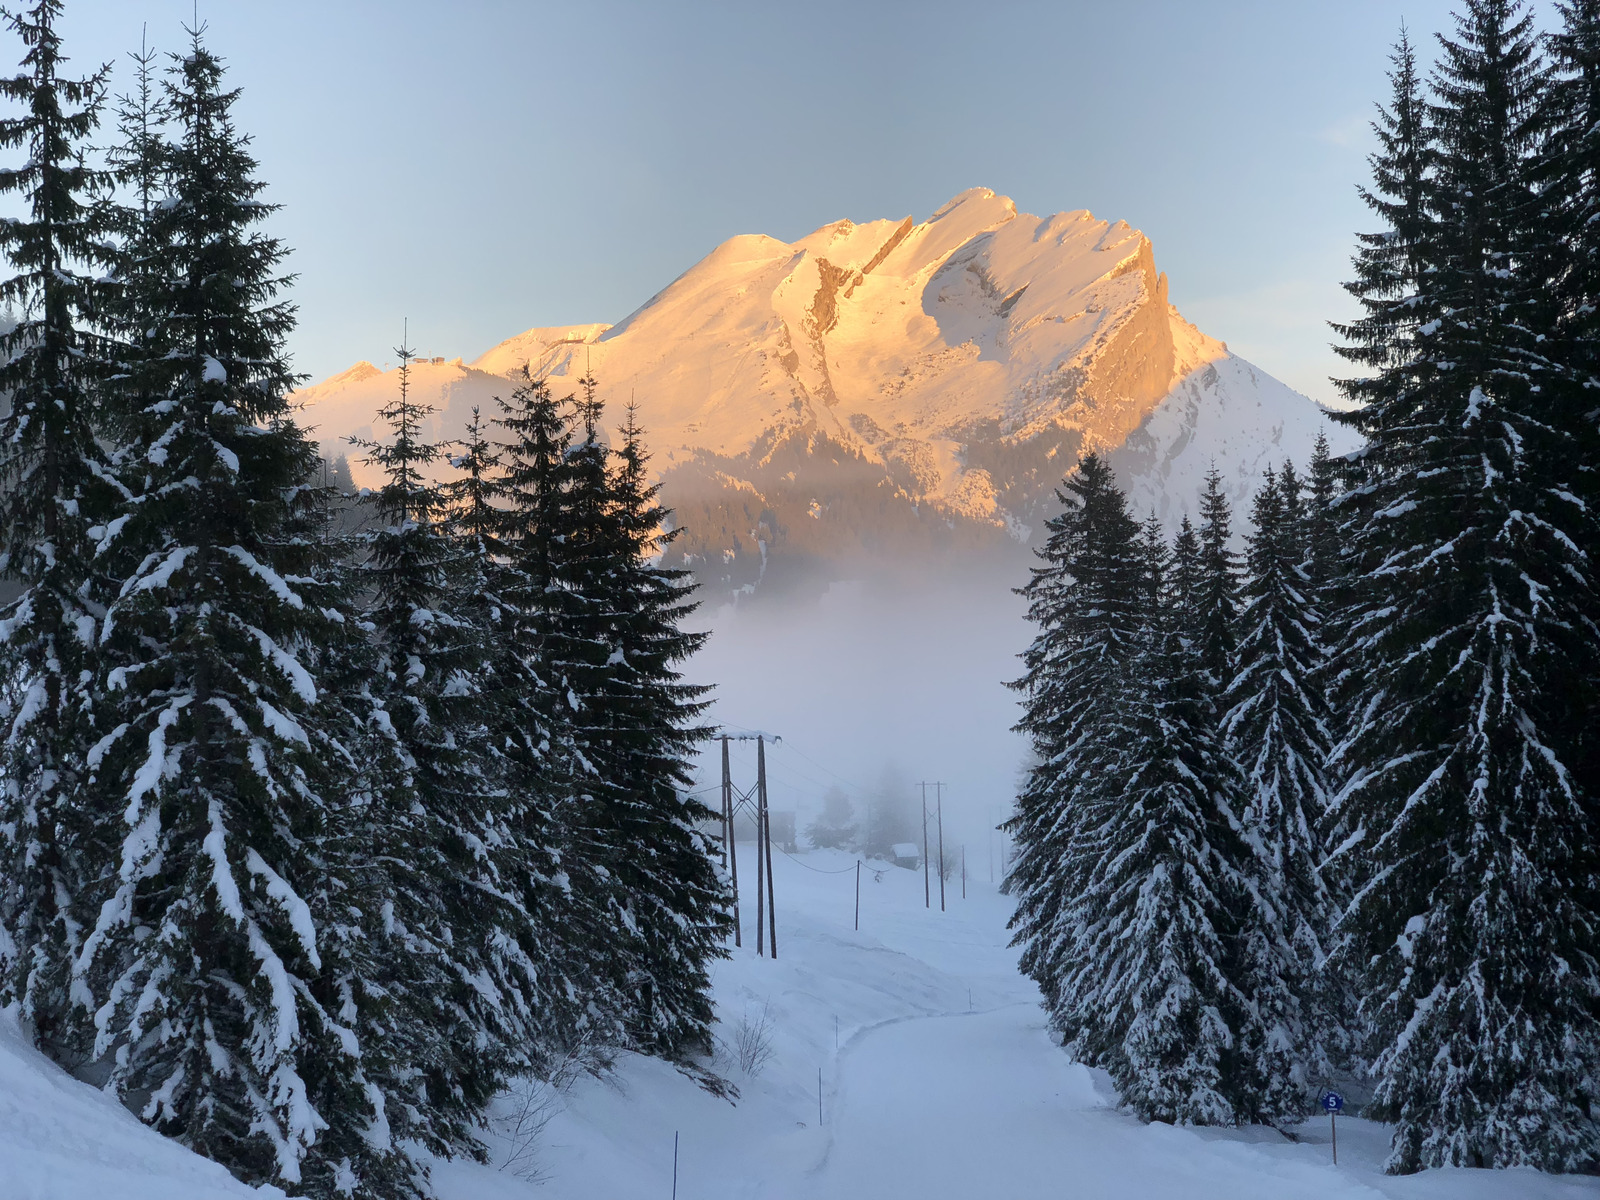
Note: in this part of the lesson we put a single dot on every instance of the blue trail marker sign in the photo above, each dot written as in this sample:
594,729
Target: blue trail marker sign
1334,1103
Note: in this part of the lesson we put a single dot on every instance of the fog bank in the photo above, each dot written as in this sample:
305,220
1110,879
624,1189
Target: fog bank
876,684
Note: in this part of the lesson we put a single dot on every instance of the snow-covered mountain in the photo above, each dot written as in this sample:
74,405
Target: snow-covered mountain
894,388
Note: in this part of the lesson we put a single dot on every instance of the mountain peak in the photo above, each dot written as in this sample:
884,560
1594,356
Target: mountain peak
892,383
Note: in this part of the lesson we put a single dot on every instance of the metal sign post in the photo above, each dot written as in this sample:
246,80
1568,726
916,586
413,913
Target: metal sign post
1333,1102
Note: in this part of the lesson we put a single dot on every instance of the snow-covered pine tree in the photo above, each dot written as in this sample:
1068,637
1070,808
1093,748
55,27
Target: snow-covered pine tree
1084,603
1183,582
612,643
1216,598
1570,174
558,865
513,703
1473,933
55,499
1149,978
1390,263
573,616
1275,726
219,1015
1320,523
1389,267
458,988
665,864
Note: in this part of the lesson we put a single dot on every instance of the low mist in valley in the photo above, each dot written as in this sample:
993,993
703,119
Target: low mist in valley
874,685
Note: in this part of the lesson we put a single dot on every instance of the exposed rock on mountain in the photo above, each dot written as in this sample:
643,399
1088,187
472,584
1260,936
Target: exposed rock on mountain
895,388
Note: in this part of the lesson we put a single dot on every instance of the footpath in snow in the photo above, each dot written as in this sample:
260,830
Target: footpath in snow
938,1081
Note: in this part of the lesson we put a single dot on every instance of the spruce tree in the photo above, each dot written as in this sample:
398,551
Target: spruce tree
1468,832
1183,586
1569,172
458,987
215,962
1320,523
1276,729
1216,598
676,904
1150,984
1084,602
1390,264
555,861
56,500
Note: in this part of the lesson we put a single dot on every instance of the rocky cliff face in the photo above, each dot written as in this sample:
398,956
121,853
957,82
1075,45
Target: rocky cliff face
894,389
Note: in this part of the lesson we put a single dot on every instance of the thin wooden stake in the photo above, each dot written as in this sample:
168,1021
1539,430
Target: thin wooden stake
858,895
674,1164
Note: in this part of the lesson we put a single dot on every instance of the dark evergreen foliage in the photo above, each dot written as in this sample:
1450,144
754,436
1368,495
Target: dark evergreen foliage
213,982
672,900
1276,728
1215,597
459,991
1084,603
1569,172
1134,882
56,495
1459,815
310,841
1162,997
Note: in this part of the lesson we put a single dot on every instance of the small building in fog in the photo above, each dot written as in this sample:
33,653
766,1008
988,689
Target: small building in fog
906,854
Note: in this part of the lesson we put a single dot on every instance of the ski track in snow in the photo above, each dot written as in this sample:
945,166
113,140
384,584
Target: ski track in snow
921,1097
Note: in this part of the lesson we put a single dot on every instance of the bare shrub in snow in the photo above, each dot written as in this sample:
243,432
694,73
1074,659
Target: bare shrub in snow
533,1102
950,865
752,1040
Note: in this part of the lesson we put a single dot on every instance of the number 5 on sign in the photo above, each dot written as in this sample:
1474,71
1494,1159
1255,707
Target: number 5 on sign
1334,1103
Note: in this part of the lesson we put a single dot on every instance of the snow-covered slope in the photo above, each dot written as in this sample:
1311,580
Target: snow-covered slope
62,1140
896,386
937,1080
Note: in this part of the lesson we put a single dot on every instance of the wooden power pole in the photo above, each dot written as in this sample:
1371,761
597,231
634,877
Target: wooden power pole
732,798
926,901
761,878
939,795
766,825
730,850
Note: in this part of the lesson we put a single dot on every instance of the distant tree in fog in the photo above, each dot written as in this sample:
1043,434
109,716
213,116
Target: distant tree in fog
835,828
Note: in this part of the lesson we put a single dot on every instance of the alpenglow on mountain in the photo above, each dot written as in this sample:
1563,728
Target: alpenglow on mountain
892,389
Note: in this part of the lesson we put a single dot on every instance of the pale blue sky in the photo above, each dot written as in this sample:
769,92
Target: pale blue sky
481,167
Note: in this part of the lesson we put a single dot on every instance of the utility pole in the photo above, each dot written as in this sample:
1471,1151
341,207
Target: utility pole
939,795
730,850
858,909
963,870
761,879
766,824
926,901
766,915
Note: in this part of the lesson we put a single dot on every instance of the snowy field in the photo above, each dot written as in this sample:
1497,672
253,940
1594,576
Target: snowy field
937,1080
